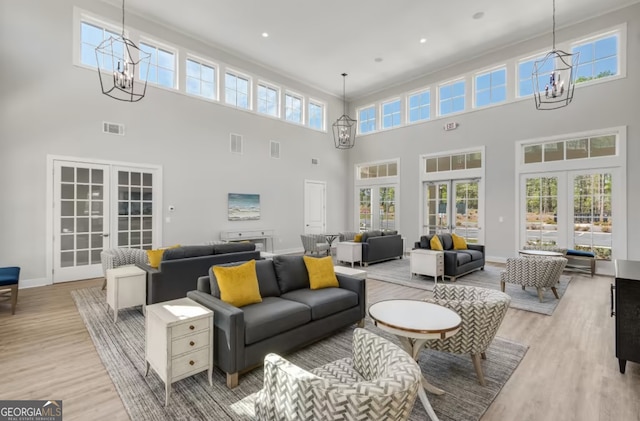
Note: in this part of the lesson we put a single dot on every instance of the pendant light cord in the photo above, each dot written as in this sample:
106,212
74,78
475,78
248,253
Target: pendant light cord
123,18
554,23
344,95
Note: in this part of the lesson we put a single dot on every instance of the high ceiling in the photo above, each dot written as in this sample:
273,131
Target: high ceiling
377,42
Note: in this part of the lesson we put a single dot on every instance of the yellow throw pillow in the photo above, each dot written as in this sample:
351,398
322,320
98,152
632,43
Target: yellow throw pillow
238,284
155,257
459,243
435,243
321,273
358,238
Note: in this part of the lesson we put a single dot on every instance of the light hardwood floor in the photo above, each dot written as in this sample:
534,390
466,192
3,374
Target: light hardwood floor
569,372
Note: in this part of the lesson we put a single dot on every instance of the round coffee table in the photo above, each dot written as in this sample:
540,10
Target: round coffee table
540,253
414,323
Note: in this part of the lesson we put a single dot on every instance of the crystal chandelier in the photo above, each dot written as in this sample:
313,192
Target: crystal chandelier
556,93
118,61
344,129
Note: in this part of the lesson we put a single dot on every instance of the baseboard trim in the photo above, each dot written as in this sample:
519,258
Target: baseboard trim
33,283
495,259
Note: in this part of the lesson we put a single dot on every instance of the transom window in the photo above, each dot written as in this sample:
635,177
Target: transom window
293,108
367,118
316,115
268,100
591,147
201,79
236,90
452,97
491,87
92,36
384,169
525,75
162,66
420,106
598,58
391,114
461,161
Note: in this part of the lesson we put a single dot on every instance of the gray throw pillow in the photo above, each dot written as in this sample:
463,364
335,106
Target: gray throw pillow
291,273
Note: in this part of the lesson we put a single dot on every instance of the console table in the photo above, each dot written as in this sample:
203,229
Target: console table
264,236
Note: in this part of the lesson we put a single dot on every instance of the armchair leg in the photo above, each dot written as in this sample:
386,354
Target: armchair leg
476,364
360,323
539,293
502,285
483,355
14,298
232,380
555,292
104,284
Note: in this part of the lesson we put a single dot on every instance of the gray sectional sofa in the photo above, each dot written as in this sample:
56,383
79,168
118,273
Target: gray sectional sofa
181,267
456,262
291,315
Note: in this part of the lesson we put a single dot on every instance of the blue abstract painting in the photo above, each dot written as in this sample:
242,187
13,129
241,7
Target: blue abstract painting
244,207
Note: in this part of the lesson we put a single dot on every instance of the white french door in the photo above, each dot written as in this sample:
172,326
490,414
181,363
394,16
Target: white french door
97,206
377,208
80,219
452,206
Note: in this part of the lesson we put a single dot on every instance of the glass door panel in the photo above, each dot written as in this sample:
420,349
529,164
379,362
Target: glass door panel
466,210
437,209
387,208
80,226
541,207
135,208
592,214
365,209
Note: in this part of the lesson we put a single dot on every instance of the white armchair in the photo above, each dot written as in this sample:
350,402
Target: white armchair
481,310
113,258
538,272
315,243
380,383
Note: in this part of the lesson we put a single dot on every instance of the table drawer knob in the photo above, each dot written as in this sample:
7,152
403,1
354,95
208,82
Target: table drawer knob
191,362
192,343
191,327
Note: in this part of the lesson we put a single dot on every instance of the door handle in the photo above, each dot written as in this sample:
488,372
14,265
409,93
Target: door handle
105,235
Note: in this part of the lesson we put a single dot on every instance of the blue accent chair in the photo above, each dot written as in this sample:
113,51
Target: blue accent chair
9,277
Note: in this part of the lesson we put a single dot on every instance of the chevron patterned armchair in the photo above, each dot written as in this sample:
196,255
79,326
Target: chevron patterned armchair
537,272
116,257
315,243
380,383
481,310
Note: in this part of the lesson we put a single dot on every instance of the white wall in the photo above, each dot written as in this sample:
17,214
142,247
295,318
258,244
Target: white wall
50,106
498,128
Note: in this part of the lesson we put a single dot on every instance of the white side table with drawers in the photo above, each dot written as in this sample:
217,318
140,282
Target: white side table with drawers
427,262
179,341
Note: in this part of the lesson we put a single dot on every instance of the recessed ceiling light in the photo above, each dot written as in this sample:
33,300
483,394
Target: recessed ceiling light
378,59
265,35
478,15
423,40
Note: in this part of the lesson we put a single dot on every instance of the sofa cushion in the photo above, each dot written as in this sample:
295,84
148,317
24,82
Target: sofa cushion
271,317
238,284
425,242
390,232
233,247
447,241
435,244
321,273
291,273
459,243
324,302
581,253
475,254
462,258
358,238
184,252
267,281
155,257
368,234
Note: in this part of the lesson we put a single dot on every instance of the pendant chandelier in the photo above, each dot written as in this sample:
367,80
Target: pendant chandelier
119,61
344,129
559,67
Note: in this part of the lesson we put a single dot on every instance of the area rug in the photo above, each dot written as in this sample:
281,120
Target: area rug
398,272
121,349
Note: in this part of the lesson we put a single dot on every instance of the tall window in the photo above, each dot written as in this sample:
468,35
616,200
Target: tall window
598,58
592,213
268,102
491,87
293,108
316,115
201,79
367,118
542,211
90,37
236,90
452,97
420,106
525,74
391,114
162,66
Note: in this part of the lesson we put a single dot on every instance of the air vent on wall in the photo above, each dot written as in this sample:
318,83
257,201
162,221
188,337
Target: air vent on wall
275,149
113,128
236,143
